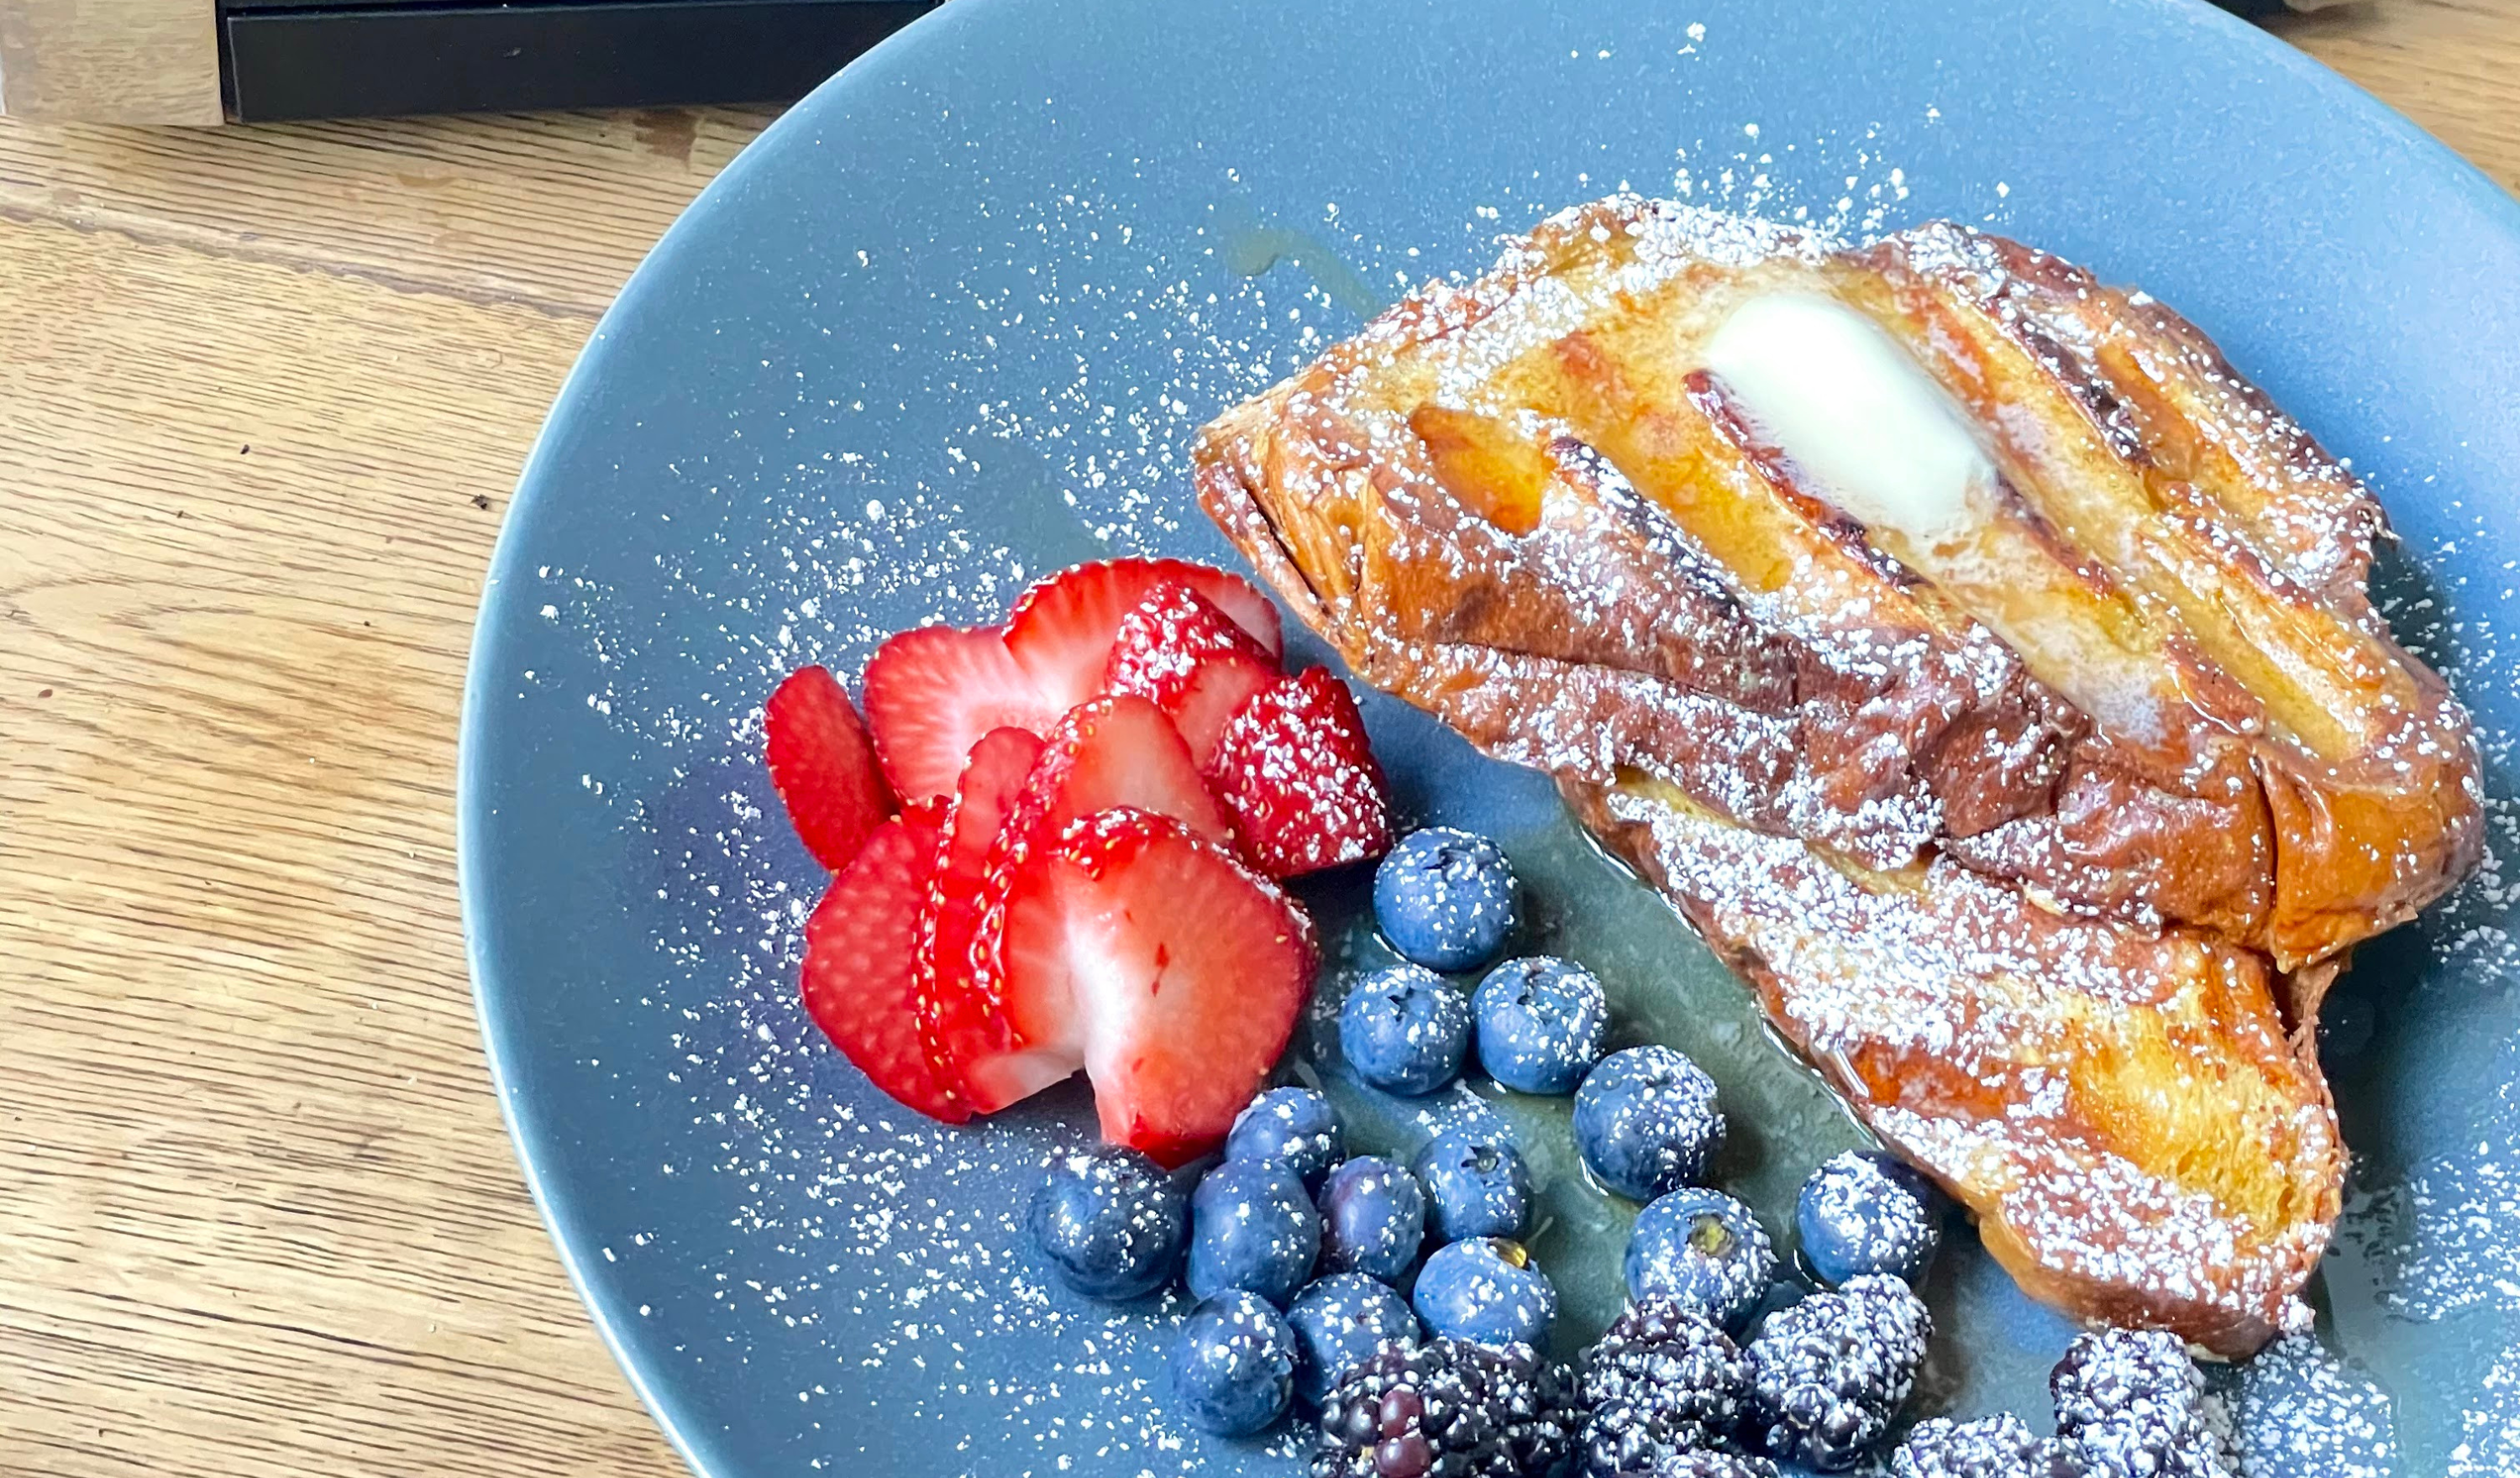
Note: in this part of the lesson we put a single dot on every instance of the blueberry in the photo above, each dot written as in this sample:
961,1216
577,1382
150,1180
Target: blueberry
1541,1023
1646,1121
1486,1290
1373,1216
1251,1226
1340,1321
1866,1213
1405,1030
1703,1250
1108,1222
1233,1367
1445,899
1476,1184
1293,1126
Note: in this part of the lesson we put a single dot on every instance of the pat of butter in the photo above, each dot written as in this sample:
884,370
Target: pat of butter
1873,434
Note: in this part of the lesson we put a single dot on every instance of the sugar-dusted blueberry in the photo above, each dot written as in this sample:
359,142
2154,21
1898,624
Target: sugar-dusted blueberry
1405,1030
1486,1289
1646,1121
1108,1222
1864,1212
1233,1364
1476,1184
1702,1250
1445,899
1292,1126
1251,1226
1373,1216
1339,1321
1541,1023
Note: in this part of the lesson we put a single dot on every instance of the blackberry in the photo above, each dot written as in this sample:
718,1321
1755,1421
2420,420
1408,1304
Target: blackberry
1990,1447
1445,1409
1829,1376
1662,1381
1706,1462
2129,1404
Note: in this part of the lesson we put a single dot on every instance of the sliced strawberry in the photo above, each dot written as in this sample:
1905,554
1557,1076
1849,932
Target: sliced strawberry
859,982
1176,648
1296,772
823,767
1005,1039
951,1010
1061,630
931,692
1185,973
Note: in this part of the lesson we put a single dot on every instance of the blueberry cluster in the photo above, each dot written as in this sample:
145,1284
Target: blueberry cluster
1399,1300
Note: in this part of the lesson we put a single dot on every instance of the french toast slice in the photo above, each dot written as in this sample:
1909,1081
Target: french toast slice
2070,634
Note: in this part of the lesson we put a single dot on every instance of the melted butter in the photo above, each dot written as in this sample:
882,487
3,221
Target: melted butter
1863,422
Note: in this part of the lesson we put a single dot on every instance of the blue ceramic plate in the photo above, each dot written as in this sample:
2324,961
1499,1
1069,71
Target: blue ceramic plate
951,323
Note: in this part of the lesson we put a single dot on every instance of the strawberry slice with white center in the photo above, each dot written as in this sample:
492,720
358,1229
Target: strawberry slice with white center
1183,974
1297,772
1063,629
823,767
1006,1040
958,897
933,692
860,980
1178,648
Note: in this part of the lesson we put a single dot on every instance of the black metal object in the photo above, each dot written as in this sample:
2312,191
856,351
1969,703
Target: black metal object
315,59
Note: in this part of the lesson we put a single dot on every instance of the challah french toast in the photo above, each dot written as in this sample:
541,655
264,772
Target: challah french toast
1981,665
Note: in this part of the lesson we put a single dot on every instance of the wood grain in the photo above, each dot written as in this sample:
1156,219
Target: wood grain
111,60
263,393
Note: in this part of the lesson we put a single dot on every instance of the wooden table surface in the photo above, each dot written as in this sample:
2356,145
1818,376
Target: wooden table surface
263,392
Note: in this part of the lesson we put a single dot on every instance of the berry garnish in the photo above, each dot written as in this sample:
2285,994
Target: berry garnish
1541,1023
1175,973
823,766
1446,1407
1189,658
932,692
1702,1250
1108,1222
1294,768
2131,1403
1405,1030
1829,1374
1663,1380
1486,1289
859,981
1061,631
1014,1033
1990,1447
1445,899
1294,1126
1340,1319
1866,1213
1233,1364
959,1020
1253,1227
1373,1216
1476,1184
1646,1121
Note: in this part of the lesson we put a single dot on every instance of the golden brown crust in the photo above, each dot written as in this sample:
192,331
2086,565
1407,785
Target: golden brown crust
2139,735
2123,1109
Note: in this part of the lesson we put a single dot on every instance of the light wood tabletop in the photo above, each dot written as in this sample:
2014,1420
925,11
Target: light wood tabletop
263,393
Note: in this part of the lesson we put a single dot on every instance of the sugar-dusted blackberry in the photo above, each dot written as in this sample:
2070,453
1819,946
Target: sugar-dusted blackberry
1663,1380
1706,1462
1445,1409
1990,1447
1829,1374
2131,1403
